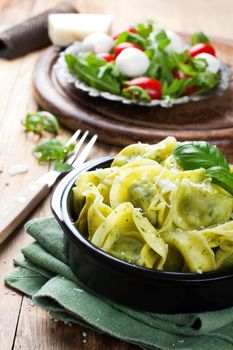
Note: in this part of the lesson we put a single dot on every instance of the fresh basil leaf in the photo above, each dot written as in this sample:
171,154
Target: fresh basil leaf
199,154
199,37
53,150
88,68
37,122
136,93
144,28
222,176
131,38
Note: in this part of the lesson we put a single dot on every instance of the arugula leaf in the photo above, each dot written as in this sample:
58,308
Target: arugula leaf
40,121
199,154
199,37
144,29
176,88
161,67
162,39
136,93
88,67
54,150
130,37
206,81
157,40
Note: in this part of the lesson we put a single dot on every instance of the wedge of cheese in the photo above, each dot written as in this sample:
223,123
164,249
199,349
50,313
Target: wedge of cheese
65,28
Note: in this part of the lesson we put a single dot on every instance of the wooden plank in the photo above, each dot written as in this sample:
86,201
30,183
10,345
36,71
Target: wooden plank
37,331
16,99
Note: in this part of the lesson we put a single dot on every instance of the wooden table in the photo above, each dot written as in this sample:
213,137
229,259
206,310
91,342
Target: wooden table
23,326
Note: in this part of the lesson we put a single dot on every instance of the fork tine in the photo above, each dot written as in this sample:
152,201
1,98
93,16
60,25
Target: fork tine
77,147
73,138
85,152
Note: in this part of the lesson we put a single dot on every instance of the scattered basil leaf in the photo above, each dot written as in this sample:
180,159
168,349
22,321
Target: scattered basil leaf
62,166
199,154
54,150
136,93
37,122
199,37
87,68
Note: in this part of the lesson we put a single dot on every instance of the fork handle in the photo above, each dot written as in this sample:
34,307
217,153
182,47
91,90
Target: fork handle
21,206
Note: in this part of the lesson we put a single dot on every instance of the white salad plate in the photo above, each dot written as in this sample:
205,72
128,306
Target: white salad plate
62,73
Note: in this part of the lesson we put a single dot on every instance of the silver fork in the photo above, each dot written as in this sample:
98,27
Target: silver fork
34,192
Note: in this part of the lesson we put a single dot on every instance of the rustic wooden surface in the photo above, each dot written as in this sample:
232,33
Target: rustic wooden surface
21,325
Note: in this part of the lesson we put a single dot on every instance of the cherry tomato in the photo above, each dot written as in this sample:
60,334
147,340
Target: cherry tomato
152,86
201,48
108,57
131,30
190,90
119,48
178,74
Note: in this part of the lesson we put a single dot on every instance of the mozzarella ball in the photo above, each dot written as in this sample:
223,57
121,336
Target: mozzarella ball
132,62
213,63
98,43
176,44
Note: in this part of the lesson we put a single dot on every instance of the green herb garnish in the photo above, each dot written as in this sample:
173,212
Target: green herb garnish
131,38
89,68
199,37
54,150
201,154
144,29
136,93
38,122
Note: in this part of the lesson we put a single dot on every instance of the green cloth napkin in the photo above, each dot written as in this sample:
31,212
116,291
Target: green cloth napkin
43,273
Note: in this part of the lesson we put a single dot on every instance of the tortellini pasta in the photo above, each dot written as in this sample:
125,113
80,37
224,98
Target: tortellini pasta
146,210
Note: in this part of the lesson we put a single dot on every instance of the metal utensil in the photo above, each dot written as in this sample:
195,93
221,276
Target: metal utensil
34,192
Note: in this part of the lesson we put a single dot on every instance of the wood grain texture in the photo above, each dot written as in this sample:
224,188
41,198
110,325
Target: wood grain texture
19,327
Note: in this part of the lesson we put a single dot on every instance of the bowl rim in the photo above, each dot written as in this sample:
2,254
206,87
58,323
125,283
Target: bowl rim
59,206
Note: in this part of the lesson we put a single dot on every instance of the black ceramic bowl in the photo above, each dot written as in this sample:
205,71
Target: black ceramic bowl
128,284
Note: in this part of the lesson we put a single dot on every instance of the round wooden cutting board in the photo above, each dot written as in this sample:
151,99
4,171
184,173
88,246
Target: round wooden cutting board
120,125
